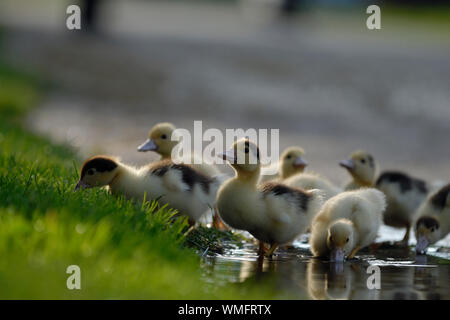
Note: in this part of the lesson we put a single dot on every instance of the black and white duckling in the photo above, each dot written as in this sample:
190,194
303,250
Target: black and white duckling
310,181
291,162
272,212
346,223
160,141
404,194
433,219
180,186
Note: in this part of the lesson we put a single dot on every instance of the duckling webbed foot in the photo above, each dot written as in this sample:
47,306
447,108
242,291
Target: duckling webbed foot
404,242
218,223
353,253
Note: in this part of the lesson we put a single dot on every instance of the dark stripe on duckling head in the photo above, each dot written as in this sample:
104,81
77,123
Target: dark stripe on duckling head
405,182
189,175
371,161
428,222
247,145
277,189
99,163
439,199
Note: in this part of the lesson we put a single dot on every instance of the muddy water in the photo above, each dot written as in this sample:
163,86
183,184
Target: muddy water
295,273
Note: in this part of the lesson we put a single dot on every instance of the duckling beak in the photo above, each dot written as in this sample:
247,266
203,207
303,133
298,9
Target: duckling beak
348,164
227,155
148,145
79,185
337,255
422,245
300,162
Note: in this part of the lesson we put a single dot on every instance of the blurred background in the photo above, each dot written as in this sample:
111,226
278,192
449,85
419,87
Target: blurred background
309,68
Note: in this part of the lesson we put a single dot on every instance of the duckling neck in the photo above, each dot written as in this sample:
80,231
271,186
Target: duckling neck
284,173
123,179
165,156
249,177
362,182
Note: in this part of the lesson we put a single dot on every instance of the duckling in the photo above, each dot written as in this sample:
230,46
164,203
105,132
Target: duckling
346,223
403,193
160,141
309,181
180,186
272,212
362,168
433,219
291,162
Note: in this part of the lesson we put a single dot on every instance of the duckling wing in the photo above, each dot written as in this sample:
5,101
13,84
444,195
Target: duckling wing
404,193
181,177
284,202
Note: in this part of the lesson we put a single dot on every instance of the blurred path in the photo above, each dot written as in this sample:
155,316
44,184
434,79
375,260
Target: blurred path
330,85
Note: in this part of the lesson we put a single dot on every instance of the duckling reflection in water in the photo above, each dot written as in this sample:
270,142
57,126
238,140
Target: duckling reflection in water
337,281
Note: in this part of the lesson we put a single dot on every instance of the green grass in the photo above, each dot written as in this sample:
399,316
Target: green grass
124,249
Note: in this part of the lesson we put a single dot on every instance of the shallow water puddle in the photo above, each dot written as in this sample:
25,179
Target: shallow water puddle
294,273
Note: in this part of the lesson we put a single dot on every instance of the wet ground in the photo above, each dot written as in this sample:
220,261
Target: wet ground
296,274
326,82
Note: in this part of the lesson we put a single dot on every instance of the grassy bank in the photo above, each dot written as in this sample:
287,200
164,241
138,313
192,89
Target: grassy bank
124,249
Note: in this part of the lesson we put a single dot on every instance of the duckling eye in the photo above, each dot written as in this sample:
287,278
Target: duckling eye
432,229
363,160
347,240
331,239
163,136
289,156
246,150
90,172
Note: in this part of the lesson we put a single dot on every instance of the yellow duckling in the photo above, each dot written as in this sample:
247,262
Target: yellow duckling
346,223
179,185
272,212
433,219
160,141
291,163
404,194
361,166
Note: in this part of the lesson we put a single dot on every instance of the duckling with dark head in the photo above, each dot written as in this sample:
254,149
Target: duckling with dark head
433,219
179,185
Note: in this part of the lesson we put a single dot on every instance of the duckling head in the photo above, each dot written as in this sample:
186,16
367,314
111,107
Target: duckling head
243,156
340,239
159,140
361,165
291,162
97,171
428,231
